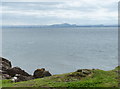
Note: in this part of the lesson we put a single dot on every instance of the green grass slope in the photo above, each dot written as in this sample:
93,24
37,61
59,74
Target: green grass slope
97,78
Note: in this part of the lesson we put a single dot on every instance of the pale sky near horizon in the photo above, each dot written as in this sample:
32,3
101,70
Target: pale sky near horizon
44,12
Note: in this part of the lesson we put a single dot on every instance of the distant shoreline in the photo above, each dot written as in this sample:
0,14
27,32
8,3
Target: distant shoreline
64,25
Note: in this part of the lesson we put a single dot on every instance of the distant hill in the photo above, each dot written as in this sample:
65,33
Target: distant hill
58,26
63,25
74,25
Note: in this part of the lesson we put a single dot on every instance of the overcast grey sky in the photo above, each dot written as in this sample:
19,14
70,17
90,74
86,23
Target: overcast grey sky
44,12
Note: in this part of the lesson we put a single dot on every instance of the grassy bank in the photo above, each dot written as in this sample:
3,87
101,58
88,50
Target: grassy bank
97,78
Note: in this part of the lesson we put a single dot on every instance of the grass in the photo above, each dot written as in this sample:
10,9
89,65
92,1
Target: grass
98,78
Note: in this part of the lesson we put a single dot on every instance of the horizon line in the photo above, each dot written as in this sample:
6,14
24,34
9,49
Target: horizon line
63,24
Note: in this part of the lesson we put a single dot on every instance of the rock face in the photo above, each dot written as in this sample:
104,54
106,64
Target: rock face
6,76
7,72
4,64
40,73
16,74
81,73
16,70
84,71
19,77
46,73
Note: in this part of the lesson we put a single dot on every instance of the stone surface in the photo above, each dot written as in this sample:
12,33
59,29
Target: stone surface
46,73
4,64
16,70
6,76
16,74
40,73
19,77
84,71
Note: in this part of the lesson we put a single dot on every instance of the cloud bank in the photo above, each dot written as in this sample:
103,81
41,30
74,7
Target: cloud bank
82,12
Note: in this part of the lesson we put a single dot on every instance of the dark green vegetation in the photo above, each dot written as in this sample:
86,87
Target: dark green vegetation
97,78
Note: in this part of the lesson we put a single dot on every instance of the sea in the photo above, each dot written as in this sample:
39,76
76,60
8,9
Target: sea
61,50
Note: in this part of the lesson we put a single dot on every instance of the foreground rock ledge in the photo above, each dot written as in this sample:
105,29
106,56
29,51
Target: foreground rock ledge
16,74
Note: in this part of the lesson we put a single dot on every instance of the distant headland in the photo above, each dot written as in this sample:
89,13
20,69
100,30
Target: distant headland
63,25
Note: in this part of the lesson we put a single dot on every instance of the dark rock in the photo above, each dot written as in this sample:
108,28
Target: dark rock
3,72
40,73
19,77
81,73
84,71
4,64
16,70
46,73
80,70
77,74
16,74
25,78
6,76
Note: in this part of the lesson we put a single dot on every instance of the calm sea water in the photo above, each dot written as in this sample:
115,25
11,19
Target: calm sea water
61,50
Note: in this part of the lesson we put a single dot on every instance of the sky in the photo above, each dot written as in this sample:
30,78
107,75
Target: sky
47,12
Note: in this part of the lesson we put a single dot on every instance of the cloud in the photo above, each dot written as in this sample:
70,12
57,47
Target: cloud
102,11
89,1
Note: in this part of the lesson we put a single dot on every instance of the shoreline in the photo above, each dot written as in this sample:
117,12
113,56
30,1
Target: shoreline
16,77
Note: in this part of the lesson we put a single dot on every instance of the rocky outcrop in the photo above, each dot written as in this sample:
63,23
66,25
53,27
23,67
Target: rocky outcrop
84,71
81,73
46,73
16,70
40,73
4,64
7,72
6,76
19,77
16,74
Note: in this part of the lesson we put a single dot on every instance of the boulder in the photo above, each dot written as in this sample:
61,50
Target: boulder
40,73
84,71
46,73
16,70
